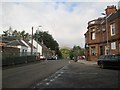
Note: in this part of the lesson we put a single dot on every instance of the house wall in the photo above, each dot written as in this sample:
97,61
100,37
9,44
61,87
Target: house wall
39,48
23,50
29,48
100,42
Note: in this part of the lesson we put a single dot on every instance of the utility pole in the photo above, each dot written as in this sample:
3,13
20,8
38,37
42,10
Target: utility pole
32,42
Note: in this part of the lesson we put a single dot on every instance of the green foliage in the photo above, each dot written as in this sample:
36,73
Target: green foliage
16,34
65,52
5,33
76,51
48,41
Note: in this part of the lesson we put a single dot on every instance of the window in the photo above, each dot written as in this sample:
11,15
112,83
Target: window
25,52
22,50
107,50
93,29
112,28
93,51
113,45
103,28
92,35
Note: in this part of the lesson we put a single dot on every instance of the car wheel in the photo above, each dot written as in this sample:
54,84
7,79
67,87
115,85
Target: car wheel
102,65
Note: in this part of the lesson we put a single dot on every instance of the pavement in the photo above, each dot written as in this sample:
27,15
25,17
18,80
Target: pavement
87,62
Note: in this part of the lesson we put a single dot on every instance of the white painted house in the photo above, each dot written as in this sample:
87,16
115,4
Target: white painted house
28,44
37,45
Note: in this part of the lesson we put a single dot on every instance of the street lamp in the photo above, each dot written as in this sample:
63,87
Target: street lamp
107,48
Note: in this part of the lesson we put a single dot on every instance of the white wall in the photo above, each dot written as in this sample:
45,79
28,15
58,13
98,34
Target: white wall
38,46
29,48
22,48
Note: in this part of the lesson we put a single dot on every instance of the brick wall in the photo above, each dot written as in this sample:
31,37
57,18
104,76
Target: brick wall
100,41
10,52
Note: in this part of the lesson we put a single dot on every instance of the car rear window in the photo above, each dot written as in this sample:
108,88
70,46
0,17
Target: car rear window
107,56
101,57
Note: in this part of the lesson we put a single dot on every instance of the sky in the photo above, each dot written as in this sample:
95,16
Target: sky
65,20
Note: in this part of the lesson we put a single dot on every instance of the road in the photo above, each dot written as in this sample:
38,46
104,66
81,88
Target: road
23,77
80,75
60,74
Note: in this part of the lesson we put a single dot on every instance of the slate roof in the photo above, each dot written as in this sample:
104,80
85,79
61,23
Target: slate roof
114,16
16,43
7,39
29,44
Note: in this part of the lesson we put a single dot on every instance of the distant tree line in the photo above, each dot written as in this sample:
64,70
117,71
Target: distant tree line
76,51
17,34
70,53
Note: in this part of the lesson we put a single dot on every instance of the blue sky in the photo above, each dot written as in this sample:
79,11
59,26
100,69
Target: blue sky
66,21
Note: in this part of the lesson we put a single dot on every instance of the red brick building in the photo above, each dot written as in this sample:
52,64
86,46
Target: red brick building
103,35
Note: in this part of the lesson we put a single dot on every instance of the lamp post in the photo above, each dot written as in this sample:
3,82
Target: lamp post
106,21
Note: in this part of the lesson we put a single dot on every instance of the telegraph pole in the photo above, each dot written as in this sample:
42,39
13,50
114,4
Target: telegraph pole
32,42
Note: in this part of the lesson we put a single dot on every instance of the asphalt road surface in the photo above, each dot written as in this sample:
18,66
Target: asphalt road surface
79,75
23,77
60,74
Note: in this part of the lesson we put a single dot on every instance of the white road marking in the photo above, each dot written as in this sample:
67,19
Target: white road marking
47,83
51,80
59,74
56,77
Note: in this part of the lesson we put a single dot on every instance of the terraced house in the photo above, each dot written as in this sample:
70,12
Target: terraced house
103,35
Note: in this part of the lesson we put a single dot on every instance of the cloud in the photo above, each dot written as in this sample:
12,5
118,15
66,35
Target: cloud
66,21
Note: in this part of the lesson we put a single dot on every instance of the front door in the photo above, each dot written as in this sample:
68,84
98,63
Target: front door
101,50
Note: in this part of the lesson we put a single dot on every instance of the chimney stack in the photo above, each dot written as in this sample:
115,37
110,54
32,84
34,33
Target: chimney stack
110,9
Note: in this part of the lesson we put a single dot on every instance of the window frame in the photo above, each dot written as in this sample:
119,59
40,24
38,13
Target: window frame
93,36
113,45
93,50
112,29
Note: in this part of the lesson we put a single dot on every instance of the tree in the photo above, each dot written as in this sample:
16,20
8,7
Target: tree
16,34
65,53
48,41
5,33
8,32
76,51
